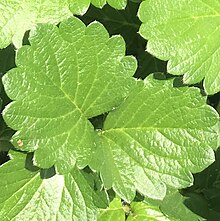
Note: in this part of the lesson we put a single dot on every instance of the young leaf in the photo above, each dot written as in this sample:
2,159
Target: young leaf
113,212
138,211
185,32
67,75
157,137
26,195
142,211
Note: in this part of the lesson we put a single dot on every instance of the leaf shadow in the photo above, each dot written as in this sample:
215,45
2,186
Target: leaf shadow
44,173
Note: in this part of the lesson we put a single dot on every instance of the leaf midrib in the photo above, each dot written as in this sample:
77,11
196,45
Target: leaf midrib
59,87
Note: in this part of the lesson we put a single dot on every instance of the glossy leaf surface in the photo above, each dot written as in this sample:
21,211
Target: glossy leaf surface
26,194
19,16
185,32
82,73
159,134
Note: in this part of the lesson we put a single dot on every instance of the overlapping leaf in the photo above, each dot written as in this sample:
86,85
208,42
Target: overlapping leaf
123,22
126,23
142,211
67,75
185,32
204,195
113,212
27,194
135,211
19,16
174,206
157,137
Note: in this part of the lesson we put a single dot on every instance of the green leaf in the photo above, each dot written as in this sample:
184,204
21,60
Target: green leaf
27,194
19,16
118,4
138,211
126,23
113,212
157,137
123,22
174,206
185,32
141,211
67,75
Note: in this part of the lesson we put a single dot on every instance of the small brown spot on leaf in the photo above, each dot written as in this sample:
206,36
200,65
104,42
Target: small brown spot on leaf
20,143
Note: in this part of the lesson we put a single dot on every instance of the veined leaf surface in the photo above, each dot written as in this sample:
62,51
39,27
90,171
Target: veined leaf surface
27,194
185,32
67,75
157,137
19,16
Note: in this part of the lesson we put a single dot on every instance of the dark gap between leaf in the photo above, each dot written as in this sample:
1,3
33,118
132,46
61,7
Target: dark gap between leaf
44,173
25,40
29,163
98,121
204,195
47,173
214,101
4,157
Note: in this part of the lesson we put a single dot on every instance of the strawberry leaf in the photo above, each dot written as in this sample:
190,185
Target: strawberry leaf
19,16
57,197
187,34
161,134
67,75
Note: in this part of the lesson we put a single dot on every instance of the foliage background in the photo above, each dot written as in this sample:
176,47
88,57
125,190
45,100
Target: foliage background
203,198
